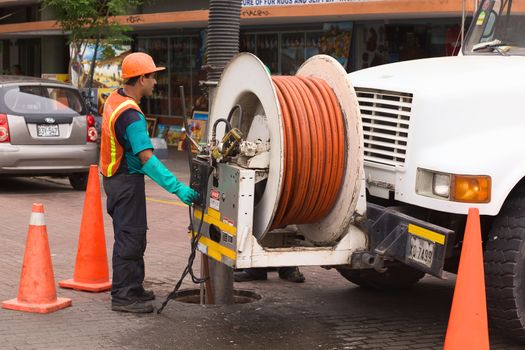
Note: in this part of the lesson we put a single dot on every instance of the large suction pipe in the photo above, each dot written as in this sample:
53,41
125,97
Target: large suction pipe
224,23
223,35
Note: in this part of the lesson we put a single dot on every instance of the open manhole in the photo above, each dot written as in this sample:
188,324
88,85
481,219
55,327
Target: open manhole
193,296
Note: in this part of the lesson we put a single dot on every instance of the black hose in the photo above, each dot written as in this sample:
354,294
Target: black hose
229,119
224,21
195,235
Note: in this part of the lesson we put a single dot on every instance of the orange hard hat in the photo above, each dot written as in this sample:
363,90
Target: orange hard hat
137,64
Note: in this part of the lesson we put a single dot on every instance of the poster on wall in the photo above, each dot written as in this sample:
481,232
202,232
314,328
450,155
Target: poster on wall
372,46
174,135
109,58
336,41
197,128
102,96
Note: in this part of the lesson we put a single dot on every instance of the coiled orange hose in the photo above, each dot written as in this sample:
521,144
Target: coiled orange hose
313,150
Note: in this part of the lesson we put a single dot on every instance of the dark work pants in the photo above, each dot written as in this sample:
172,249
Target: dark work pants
126,204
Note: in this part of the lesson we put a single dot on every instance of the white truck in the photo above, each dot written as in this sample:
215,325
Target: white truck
443,135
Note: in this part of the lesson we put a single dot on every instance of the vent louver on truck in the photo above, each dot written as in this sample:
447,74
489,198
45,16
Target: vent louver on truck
386,121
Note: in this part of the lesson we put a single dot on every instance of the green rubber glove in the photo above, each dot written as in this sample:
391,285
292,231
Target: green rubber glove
162,176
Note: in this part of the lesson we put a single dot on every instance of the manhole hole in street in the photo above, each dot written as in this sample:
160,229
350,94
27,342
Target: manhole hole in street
193,296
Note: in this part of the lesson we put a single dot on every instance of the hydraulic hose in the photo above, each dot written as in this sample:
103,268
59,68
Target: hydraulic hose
314,147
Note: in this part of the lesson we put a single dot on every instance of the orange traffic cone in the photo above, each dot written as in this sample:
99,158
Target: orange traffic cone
467,325
91,268
37,292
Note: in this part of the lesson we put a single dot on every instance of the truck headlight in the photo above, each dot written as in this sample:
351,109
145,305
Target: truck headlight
453,187
441,185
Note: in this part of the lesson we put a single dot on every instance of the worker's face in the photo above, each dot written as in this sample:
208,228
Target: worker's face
148,84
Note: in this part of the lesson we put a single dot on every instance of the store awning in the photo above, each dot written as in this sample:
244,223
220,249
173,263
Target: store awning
261,15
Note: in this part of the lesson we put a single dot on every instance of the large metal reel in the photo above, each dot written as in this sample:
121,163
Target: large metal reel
336,224
246,81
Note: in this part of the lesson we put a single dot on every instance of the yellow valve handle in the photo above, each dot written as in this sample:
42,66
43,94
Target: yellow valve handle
230,141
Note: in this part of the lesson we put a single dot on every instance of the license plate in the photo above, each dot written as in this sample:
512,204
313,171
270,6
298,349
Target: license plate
47,130
421,250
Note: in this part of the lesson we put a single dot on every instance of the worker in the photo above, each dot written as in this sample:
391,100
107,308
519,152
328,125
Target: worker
126,155
288,273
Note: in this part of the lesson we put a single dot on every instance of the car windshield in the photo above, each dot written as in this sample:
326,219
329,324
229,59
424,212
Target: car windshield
43,100
497,29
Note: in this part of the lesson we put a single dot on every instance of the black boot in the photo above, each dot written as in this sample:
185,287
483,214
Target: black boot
139,307
246,275
291,274
146,295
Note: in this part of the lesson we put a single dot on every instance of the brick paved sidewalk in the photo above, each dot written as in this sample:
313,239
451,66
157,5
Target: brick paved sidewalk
326,312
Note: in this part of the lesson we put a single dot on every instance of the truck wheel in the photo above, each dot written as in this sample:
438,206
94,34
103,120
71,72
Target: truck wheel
505,268
396,277
78,181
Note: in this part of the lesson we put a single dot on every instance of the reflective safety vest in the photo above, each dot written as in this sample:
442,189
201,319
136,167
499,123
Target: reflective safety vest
111,151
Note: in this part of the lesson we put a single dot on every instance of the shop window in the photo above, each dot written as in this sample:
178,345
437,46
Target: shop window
247,43
181,72
379,43
313,43
267,51
182,56
141,45
335,41
159,103
292,52
285,52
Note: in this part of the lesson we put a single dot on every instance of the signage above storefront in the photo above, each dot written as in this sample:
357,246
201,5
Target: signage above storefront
253,3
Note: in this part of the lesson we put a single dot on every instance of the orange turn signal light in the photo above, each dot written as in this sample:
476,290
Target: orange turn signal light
471,189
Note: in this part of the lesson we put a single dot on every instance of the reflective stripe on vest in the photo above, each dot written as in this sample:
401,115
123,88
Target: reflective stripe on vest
123,105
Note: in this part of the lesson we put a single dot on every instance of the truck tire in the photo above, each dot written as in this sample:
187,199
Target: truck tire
78,181
505,268
396,277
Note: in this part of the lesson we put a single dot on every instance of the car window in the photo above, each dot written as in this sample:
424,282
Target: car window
43,99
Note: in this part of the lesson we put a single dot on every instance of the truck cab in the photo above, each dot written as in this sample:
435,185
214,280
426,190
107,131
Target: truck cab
443,135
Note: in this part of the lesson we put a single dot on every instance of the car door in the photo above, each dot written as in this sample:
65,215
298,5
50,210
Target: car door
45,114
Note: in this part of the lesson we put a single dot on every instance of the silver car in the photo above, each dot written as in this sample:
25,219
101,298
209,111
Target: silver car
45,130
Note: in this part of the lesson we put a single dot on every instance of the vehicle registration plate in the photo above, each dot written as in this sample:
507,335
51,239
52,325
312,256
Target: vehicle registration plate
47,130
421,250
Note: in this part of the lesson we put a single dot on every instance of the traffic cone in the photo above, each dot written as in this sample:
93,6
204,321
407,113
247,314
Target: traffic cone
37,292
91,267
468,325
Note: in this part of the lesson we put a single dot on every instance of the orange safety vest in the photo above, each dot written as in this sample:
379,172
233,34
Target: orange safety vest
111,151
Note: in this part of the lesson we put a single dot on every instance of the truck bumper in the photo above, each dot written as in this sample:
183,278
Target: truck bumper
395,236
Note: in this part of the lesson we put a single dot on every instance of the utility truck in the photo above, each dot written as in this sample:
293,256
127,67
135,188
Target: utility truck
443,135
373,172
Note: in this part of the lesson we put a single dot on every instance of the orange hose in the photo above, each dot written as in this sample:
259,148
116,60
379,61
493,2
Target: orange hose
313,150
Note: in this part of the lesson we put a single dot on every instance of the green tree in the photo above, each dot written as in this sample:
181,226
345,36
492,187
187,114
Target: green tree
91,21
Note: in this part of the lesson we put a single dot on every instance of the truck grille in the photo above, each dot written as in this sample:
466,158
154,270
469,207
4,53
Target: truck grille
386,120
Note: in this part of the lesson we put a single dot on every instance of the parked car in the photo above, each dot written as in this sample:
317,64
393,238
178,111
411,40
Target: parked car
45,129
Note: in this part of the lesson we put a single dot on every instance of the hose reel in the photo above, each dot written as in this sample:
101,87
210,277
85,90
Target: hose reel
313,128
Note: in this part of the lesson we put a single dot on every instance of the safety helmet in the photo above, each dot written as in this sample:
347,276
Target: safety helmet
137,64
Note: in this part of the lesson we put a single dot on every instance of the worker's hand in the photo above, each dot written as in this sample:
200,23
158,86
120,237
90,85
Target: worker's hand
186,194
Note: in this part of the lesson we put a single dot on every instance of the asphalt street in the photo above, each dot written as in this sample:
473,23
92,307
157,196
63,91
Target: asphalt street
325,312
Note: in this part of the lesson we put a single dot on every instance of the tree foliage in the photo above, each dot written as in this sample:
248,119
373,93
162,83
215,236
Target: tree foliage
91,21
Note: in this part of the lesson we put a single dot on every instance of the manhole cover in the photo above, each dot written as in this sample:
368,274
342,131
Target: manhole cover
193,296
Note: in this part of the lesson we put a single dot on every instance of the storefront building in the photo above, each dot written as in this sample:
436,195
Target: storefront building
282,33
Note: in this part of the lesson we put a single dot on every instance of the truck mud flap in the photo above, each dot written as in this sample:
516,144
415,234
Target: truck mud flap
394,235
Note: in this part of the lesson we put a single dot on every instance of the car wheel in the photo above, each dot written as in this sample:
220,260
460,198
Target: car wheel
396,277
505,268
78,181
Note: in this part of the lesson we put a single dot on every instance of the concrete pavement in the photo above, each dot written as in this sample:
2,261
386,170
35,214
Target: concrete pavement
326,312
